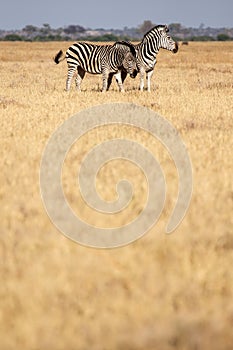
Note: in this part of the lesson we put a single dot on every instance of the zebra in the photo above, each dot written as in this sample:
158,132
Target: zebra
107,60
147,50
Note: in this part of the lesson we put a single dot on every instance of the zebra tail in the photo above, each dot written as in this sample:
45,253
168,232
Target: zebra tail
58,58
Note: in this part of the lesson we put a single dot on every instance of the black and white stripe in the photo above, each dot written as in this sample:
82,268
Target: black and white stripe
147,50
107,60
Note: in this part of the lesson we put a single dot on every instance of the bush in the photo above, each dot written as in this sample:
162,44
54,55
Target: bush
51,37
13,37
105,37
202,38
223,37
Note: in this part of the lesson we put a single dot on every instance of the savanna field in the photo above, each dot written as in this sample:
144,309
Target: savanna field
161,292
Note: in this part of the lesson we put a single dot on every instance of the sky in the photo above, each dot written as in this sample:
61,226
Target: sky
15,14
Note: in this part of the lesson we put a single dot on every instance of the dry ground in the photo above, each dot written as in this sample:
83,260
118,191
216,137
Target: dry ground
161,292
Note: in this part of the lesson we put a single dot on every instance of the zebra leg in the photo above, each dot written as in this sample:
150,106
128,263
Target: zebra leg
105,80
123,76
109,80
71,70
119,81
79,78
148,77
141,86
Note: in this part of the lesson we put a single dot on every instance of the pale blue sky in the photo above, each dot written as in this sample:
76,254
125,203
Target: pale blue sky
15,14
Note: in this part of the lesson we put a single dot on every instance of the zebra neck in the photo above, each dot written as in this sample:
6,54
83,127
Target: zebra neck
148,51
151,44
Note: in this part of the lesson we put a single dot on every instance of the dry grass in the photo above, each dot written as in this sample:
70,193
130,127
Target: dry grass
161,292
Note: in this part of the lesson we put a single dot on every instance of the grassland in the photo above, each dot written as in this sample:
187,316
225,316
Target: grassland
161,292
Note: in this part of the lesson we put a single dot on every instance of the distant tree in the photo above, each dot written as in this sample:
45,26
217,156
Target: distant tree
175,27
223,37
201,26
45,29
145,27
30,29
73,29
47,26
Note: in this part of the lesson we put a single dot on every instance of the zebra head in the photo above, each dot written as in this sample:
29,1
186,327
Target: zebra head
129,62
166,41
130,65
159,38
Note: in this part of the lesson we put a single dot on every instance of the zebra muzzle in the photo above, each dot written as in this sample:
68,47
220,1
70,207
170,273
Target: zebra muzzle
134,74
176,48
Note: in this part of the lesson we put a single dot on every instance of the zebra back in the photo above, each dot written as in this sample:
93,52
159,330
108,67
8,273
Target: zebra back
96,58
87,56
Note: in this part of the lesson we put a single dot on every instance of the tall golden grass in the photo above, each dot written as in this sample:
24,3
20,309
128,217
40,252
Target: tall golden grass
161,292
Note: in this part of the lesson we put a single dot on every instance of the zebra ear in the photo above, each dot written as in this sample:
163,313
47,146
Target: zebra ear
161,28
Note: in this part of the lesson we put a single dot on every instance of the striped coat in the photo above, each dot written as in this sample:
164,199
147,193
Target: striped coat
107,60
147,50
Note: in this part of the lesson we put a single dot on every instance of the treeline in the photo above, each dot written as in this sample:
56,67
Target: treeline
77,32
50,37
220,37
105,38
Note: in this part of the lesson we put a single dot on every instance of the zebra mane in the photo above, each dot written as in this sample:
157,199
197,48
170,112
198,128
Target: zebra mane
127,43
160,26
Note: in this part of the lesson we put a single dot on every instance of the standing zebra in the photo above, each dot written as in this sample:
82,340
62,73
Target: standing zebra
107,60
147,50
